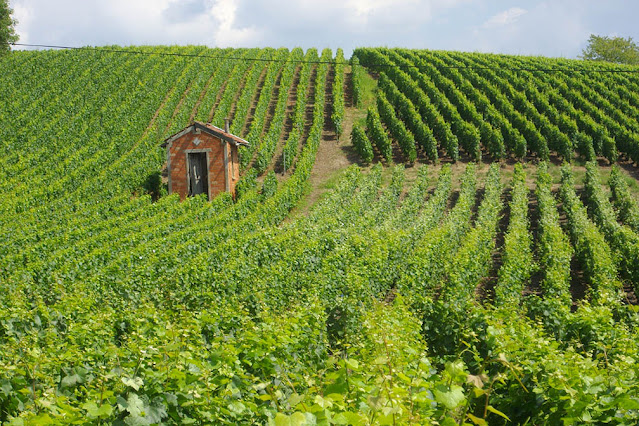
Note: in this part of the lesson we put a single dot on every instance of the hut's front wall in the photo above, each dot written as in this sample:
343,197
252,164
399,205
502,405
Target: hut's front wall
235,167
194,142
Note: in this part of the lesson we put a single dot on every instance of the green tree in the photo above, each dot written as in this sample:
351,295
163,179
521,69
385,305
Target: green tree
7,27
611,49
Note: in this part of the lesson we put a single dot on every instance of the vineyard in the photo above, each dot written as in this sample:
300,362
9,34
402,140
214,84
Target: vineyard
480,265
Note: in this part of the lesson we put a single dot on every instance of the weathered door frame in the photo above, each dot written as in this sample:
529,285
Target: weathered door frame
207,151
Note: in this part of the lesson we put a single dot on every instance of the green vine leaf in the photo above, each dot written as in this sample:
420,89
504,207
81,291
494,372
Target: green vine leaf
451,397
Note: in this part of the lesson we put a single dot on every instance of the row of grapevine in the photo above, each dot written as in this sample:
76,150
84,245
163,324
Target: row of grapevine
377,134
591,248
356,81
521,111
434,249
518,264
387,200
231,84
624,202
622,240
550,136
518,132
512,105
563,110
555,251
249,92
495,129
405,248
462,269
412,202
431,116
622,129
589,118
337,116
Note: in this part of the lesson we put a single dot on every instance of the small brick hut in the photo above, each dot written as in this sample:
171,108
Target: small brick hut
203,159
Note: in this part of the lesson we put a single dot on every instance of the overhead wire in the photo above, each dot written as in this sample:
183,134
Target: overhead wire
368,65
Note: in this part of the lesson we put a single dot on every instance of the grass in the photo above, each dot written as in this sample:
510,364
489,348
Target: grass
369,87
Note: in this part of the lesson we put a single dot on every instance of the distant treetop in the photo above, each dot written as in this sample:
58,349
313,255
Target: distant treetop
7,27
611,49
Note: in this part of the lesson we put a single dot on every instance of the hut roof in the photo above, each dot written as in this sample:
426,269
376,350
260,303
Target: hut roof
206,128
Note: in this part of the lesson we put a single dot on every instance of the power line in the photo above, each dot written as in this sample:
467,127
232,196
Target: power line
186,55
369,65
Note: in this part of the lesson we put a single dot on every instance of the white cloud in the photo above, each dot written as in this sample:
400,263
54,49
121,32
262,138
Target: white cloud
231,23
523,26
227,33
367,7
127,22
504,18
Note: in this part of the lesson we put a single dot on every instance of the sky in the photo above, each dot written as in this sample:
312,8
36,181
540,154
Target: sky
557,28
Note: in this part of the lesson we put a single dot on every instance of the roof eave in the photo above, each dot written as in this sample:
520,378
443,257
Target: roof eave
235,140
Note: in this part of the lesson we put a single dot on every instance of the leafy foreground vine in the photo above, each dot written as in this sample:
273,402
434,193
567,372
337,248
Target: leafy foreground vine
346,316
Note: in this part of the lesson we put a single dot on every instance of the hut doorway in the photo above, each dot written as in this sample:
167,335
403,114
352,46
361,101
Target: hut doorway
198,173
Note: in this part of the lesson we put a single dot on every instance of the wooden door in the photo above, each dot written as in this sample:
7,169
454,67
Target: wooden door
198,174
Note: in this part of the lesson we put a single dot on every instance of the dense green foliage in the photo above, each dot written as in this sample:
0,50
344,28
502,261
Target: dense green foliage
431,294
611,49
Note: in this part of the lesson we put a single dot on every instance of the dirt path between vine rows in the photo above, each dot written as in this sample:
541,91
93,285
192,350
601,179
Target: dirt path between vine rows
333,155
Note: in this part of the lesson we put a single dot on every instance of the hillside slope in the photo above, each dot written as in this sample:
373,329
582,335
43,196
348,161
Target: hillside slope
432,292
